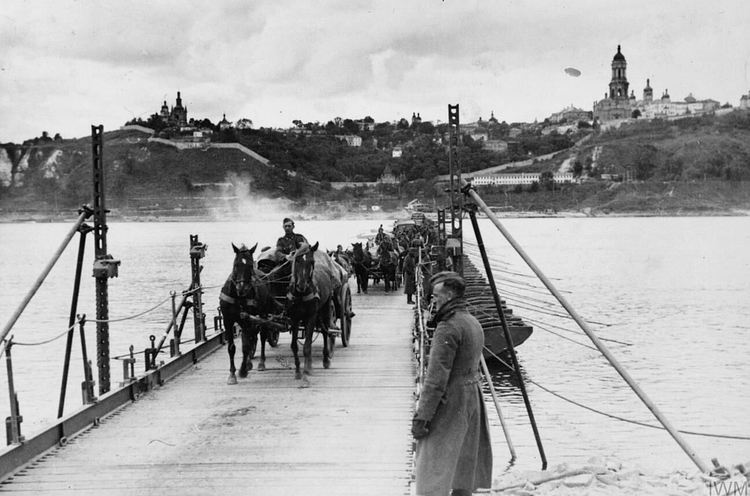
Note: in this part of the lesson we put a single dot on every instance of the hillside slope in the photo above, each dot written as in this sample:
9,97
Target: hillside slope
690,166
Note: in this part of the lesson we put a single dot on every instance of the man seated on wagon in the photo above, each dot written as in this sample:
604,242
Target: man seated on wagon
289,242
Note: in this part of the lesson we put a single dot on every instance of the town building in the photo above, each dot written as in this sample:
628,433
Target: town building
388,176
496,145
351,139
516,178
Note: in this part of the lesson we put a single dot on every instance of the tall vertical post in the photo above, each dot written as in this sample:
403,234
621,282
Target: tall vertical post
441,239
83,229
104,266
454,244
506,333
197,251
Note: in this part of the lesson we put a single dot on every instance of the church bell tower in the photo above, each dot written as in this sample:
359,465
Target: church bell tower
618,87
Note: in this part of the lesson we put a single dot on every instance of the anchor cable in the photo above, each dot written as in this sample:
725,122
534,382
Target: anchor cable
616,417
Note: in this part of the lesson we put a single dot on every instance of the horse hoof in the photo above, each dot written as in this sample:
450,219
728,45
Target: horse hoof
298,375
261,367
249,365
305,384
232,380
326,363
243,374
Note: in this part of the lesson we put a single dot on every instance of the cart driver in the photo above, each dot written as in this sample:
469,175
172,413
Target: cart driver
290,241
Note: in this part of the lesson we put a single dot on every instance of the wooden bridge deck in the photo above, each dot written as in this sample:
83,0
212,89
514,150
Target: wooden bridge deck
347,434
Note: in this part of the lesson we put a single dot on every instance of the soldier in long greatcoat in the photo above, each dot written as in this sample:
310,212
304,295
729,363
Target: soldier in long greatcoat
454,454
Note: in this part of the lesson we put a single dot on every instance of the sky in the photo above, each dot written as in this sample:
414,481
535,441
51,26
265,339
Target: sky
68,64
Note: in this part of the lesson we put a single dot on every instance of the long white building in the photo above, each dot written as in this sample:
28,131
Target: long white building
515,178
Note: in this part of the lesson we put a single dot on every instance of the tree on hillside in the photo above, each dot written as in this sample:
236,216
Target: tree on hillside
547,180
577,168
426,128
351,126
244,124
155,122
644,157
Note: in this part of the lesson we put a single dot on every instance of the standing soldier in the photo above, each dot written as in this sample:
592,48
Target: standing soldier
454,454
410,265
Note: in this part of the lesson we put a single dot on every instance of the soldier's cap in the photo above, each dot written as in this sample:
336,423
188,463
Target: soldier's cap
287,219
453,278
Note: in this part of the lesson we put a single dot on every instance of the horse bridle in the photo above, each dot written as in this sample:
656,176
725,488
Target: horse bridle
309,292
248,282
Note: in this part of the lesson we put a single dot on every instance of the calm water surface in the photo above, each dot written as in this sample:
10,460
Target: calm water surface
672,293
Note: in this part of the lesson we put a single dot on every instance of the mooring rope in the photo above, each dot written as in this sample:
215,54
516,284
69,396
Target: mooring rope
102,321
539,325
612,416
121,319
19,343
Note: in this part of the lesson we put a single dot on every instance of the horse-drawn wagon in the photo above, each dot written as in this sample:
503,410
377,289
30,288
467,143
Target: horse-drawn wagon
277,294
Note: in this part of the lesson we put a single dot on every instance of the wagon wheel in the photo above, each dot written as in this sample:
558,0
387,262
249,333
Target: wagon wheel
346,318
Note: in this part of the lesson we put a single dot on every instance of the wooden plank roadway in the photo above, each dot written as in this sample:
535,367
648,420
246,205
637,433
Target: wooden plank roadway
347,434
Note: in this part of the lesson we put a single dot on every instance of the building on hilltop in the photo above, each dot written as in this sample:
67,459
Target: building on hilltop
745,101
224,123
570,114
617,104
177,116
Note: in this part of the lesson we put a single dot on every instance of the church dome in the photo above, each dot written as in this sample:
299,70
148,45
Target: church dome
619,55
690,98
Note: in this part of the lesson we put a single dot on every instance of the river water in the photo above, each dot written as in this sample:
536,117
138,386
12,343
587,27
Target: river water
670,295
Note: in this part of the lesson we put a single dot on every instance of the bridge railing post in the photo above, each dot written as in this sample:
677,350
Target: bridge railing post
12,423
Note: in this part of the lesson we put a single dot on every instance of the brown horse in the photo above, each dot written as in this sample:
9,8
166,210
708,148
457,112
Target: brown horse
308,302
362,263
239,296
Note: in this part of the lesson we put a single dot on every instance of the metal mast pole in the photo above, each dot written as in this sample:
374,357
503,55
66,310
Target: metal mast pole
454,244
104,266
197,251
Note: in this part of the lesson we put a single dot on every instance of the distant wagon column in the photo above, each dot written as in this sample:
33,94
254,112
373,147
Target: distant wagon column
104,265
